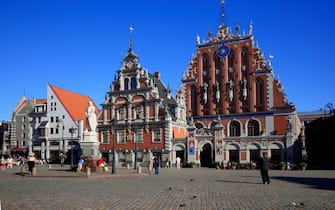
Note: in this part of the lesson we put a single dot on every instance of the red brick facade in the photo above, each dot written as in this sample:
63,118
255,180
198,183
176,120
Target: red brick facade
230,85
234,106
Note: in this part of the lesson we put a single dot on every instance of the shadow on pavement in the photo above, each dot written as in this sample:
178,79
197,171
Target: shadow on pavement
244,182
317,183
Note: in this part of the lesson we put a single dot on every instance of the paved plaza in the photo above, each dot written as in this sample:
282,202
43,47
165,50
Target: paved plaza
187,188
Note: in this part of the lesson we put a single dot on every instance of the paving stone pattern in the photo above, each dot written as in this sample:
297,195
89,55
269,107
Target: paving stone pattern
187,188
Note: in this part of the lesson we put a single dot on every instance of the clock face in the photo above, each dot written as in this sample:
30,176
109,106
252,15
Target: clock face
223,51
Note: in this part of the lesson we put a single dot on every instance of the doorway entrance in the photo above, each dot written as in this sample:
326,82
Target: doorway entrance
234,156
254,155
181,153
206,156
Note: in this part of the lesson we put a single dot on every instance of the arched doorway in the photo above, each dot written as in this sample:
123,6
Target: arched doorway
234,153
276,153
206,156
254,152
180,152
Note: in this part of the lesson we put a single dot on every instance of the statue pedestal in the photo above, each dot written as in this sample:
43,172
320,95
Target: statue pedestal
90,145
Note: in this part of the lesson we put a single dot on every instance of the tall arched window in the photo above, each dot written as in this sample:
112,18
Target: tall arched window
218,64
244,59
259,94
205,66
126,84
253,128
235,129
133,83
194,100
231,59
206,96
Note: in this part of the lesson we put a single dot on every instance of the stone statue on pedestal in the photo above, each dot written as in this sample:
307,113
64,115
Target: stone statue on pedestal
90,144
91,118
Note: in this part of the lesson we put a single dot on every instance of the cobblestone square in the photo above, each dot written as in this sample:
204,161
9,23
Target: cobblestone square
187,188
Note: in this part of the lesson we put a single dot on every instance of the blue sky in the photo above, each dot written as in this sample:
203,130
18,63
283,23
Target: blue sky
78,44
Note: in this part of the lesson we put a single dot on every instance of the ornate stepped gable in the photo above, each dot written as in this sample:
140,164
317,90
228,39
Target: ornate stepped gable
229,74
138,105
133,81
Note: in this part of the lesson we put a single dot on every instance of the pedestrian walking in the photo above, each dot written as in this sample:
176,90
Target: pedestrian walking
31,162
156,166
151,165
80,164
263,164
3,163
167,163
62,159
10,161
21,161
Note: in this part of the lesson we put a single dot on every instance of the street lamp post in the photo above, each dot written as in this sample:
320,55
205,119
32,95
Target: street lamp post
113,158
62,140
135,150
72,130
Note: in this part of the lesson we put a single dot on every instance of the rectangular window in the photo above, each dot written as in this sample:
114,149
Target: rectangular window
121,137
156,135
138,112
105,139
121,113
139,136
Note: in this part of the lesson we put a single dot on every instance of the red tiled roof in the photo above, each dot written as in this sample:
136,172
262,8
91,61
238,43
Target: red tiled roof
41,101
20,104
74,103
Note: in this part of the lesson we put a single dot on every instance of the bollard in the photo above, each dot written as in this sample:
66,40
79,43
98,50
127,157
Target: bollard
49,167
88,171
34,171
23,169
139,170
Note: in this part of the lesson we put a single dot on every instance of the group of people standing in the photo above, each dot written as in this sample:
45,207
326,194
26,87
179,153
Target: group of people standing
9,162
6,163
155,164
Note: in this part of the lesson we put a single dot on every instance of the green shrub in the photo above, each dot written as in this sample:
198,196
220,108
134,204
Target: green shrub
192,164
303,164
282,164
233,163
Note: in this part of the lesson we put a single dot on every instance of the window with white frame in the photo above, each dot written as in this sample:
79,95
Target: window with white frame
105,139
235,128
139,136
121,137
121,113
156,135
138,112
253,128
